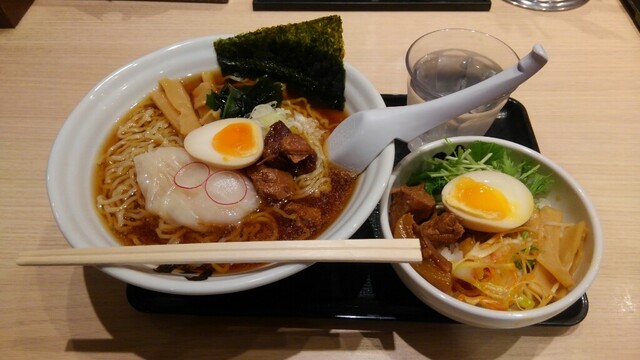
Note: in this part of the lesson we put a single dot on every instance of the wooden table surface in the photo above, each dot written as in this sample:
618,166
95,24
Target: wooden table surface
584,107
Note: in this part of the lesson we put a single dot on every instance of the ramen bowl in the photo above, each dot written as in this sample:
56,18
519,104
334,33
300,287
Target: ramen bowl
565,195
72,162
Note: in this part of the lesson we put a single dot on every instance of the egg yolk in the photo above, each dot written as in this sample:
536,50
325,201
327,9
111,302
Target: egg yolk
481,199
235,140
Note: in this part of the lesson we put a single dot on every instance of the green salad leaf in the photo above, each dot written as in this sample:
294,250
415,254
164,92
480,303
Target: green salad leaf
479,155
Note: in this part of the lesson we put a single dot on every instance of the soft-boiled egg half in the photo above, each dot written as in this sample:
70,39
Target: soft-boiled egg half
488,201
227,143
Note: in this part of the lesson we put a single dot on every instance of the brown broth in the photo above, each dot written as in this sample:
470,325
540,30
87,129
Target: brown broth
335,117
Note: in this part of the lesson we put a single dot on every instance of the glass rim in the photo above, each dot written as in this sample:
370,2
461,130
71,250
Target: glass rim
457,30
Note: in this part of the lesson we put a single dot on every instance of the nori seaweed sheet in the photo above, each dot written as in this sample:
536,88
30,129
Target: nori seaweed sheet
306,56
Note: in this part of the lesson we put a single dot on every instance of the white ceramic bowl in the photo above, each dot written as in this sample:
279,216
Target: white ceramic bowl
74,153
566,195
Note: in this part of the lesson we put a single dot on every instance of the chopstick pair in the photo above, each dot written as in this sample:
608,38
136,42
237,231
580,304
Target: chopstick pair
283,251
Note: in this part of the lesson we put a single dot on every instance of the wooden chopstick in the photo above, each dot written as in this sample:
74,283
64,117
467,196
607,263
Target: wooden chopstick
283,251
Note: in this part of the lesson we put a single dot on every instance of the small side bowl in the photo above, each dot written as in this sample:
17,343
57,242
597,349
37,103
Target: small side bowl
567,195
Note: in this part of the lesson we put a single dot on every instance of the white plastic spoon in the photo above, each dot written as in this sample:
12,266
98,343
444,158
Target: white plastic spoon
358,140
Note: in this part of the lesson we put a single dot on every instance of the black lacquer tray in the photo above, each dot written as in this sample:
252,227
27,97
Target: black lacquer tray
345,290
372,5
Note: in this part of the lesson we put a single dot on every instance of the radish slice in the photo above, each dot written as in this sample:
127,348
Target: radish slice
226,187
192,175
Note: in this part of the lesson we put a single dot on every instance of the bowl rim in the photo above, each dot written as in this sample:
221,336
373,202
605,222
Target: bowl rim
77,227
539,314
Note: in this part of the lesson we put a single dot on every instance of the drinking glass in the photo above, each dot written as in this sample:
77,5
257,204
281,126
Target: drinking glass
448,60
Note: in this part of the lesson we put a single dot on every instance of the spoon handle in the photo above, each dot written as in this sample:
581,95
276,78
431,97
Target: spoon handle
360,138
